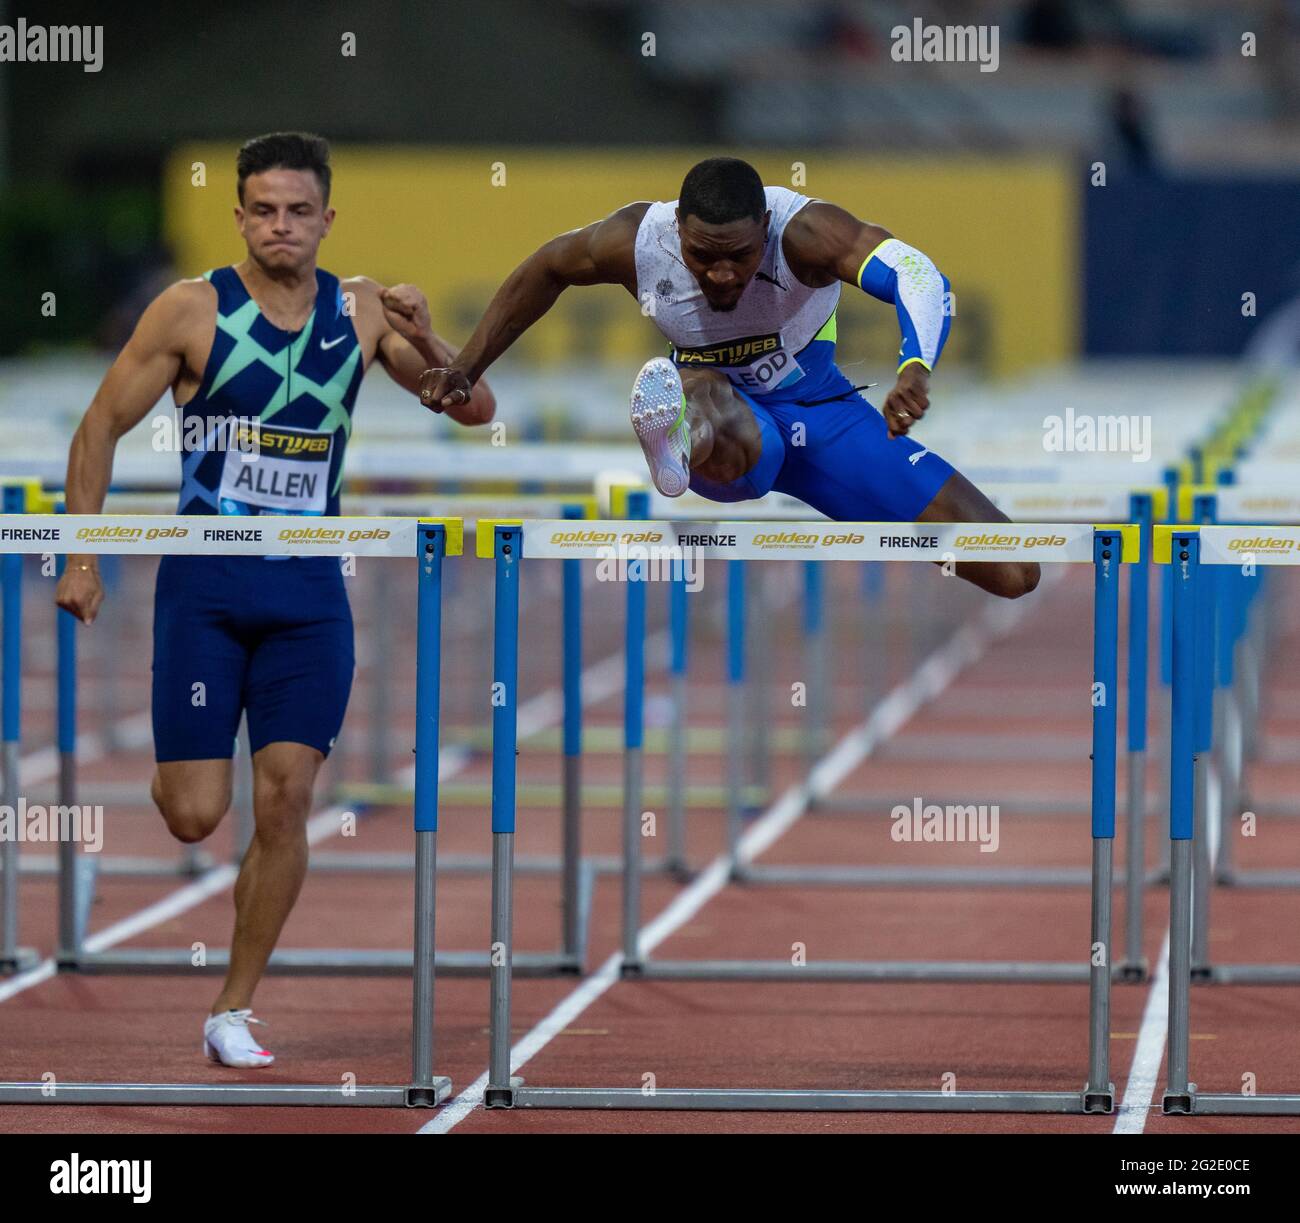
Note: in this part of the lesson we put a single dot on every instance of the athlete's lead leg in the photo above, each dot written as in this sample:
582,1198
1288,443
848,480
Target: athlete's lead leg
692,421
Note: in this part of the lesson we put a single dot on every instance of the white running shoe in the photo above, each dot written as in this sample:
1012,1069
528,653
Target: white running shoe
226,1039
659,419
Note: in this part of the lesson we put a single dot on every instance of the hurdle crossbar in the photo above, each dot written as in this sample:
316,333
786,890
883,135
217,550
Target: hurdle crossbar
508,544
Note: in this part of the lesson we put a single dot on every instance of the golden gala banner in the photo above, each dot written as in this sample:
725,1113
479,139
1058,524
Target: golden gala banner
457,221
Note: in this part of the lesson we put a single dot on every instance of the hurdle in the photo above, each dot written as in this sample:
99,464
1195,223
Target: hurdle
1050,502
1193,555
1220,598
77,874
430,541
509,544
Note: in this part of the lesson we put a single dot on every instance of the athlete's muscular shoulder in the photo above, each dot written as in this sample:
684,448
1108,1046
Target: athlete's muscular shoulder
361,299
603,252
180,322
182,313
824,243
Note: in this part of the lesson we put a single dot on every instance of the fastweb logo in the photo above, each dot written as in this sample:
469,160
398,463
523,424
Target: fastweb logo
120,1176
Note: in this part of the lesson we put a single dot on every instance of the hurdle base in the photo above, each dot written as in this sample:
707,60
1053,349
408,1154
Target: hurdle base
914,876
305,962
429,1095
197,1095
1179,1103
22,959
1133,972
1098,1101
1258,879
47,866
775,1100
1231,1104
1247,974
865,971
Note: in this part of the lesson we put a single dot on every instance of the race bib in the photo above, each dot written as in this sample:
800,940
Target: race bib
275,470
756,363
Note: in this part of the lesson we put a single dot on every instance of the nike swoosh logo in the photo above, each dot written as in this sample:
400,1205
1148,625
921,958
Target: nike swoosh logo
336,340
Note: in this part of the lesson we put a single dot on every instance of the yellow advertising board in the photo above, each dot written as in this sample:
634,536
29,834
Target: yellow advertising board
457,221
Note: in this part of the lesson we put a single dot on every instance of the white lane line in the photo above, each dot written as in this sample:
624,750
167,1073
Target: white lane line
927,682
599,681
1131,1117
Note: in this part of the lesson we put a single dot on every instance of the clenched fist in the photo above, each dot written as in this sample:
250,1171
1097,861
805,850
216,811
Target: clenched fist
907,401
80,591
406,311
444,388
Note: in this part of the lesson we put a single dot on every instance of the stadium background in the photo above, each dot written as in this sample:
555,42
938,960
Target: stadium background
466,134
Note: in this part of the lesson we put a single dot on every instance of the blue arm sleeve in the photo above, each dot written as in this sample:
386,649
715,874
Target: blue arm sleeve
898,273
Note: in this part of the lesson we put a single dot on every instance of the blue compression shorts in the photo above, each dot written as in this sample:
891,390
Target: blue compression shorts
270,638
846,467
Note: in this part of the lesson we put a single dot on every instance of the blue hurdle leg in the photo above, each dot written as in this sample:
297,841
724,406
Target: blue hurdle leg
1182,781
1099,1095
507,554
426,1088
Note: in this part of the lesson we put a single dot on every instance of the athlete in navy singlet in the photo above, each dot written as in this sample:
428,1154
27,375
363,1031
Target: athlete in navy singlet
264,360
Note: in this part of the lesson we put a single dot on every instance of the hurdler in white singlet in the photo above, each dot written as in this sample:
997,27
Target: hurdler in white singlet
755,344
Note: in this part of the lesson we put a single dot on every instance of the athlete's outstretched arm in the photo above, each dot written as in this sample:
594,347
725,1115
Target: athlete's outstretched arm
408,344
602,253
148,364
829,242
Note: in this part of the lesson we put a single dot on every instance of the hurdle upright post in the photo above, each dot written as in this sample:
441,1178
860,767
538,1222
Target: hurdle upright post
571,682
1099,1094
507,554
1184,564
1206,609
758,681
638,505
679,649
1134,967
735,708
1163,733
12,957
818,695
381,675
71,909
426,1088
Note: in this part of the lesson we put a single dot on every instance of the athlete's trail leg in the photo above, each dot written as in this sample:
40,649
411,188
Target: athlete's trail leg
272,872
960,501
193,796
